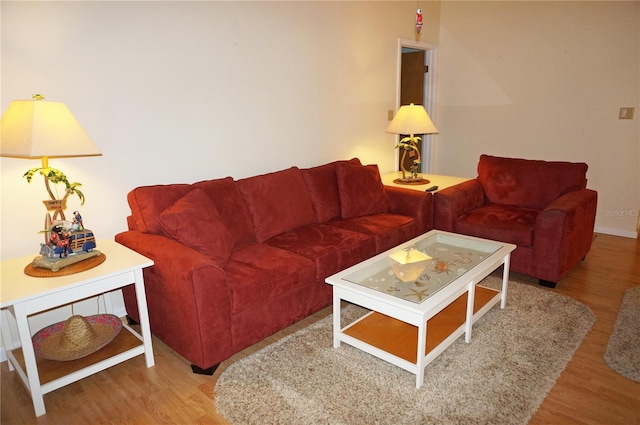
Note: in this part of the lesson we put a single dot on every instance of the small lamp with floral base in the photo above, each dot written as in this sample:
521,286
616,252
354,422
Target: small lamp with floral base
411,119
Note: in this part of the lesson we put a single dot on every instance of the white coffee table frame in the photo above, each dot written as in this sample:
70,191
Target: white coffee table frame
23,295
418,314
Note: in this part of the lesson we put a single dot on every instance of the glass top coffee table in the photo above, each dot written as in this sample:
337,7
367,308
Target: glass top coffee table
423,295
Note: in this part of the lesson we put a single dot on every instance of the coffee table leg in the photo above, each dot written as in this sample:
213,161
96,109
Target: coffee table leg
469,323
505,281
422,347
336,319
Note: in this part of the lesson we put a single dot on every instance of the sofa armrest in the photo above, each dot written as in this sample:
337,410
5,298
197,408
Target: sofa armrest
563,233
411,203
188,298
454,201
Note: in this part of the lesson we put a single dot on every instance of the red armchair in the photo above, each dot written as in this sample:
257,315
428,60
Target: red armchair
543,207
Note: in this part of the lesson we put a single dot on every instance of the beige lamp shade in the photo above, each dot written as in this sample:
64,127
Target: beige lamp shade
411,119
39,128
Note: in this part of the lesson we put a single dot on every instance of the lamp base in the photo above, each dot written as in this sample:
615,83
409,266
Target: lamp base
411,180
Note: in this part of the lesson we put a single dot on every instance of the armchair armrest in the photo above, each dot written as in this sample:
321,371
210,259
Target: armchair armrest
454,201
563,233
412,203
185,290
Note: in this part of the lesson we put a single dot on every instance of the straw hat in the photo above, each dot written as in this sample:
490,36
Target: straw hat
76,337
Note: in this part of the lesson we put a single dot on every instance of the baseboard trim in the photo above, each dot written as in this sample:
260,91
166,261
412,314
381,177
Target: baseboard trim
616,232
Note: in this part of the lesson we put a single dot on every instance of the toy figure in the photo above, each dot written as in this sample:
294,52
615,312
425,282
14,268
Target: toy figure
419,20
77,221
66,243
60,239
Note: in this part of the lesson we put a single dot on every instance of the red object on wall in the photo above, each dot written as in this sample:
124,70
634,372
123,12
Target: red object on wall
418,20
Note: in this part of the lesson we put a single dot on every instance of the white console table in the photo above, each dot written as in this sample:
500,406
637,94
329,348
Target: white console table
22,296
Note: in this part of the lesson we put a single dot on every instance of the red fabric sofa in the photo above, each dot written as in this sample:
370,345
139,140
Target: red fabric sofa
542,207
237,260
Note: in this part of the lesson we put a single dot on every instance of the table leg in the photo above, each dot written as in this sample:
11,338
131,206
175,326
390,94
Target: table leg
422,347
505,281
470,300
7,337
29,359
144,317
336,320
108,305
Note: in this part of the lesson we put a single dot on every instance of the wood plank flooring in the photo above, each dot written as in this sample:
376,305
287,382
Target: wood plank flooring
587,392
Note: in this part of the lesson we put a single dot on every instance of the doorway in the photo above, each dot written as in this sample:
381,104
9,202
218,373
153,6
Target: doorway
416,82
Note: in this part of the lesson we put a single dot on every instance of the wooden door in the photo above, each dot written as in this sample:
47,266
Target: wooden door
412,89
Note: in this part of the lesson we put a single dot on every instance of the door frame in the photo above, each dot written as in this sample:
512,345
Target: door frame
431,59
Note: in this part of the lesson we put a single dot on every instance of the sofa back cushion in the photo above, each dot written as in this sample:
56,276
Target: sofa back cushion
361,191
278,202
528,183
225,195
194,221
322,184
148,202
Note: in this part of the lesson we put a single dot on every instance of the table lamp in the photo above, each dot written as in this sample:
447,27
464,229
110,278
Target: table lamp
39,129
411,119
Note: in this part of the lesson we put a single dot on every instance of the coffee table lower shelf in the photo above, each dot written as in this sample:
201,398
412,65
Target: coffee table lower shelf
399,339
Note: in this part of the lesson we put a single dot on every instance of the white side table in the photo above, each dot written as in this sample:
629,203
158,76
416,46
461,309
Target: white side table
434,180
23,295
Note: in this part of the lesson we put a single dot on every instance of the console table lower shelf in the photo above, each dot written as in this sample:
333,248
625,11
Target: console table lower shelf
386,337
56,374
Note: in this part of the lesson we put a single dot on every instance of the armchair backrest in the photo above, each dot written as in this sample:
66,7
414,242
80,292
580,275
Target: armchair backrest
528,183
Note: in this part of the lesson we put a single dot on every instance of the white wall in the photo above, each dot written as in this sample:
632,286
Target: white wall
544,80
186,91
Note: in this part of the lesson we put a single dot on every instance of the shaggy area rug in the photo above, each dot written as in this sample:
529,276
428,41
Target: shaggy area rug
501,377
623,350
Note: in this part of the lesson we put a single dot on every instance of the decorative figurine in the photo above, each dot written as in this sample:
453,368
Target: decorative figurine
77,221
59,241
68,243
419,20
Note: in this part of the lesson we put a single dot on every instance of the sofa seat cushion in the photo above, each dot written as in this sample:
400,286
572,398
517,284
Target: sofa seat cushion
500,223
278,202
331,248
258,272
194,221
389,230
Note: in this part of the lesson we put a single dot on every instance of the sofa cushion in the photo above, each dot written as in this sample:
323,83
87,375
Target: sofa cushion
226,197
503,223
257,273
322,184
195,222
528,183
278,202
331,248
361,190
389,230
148,202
